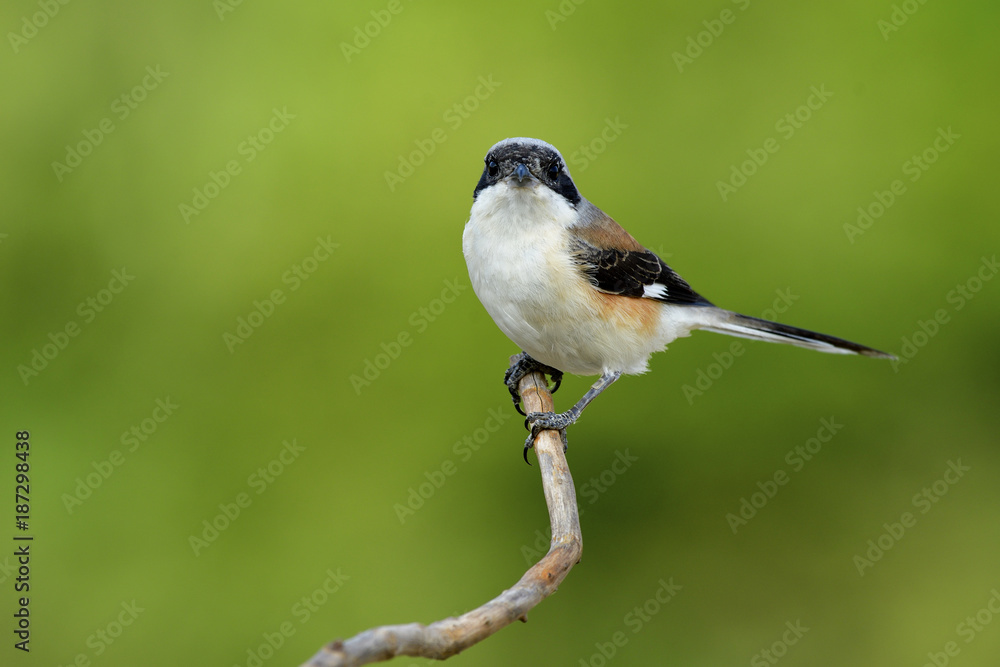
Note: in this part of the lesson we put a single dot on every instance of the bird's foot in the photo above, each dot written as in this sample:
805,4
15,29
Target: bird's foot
537,422
524,365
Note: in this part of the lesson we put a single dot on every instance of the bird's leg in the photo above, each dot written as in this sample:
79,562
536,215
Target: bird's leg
524,365
540,421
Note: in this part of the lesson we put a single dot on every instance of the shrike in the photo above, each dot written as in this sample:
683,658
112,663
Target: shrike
575,291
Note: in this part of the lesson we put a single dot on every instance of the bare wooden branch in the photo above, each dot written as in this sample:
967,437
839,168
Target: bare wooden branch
451,636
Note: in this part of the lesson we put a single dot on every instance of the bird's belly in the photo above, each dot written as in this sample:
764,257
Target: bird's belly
546,305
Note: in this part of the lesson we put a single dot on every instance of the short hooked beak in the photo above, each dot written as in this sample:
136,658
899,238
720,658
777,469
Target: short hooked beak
521,172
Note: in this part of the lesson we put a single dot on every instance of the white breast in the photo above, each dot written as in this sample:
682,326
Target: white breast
516,245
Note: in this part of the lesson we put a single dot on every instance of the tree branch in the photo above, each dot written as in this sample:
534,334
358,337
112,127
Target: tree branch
451,636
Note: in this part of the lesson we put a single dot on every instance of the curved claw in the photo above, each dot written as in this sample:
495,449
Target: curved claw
512,388
524,365
517,405
534,429
537,428
530,442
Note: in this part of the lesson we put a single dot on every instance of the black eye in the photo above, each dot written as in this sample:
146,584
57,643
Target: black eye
492,167
554,169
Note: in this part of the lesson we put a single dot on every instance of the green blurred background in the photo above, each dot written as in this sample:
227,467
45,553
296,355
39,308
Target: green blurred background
187,89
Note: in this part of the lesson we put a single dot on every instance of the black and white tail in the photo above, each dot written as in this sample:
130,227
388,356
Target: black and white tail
744,326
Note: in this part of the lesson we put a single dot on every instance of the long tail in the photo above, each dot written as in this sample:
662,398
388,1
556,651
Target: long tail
744,326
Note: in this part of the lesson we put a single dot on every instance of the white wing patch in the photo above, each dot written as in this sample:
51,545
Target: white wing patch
654,291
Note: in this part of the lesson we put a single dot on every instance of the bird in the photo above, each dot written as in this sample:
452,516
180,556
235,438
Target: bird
575,291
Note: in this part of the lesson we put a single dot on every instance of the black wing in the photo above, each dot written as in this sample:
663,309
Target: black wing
636,273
